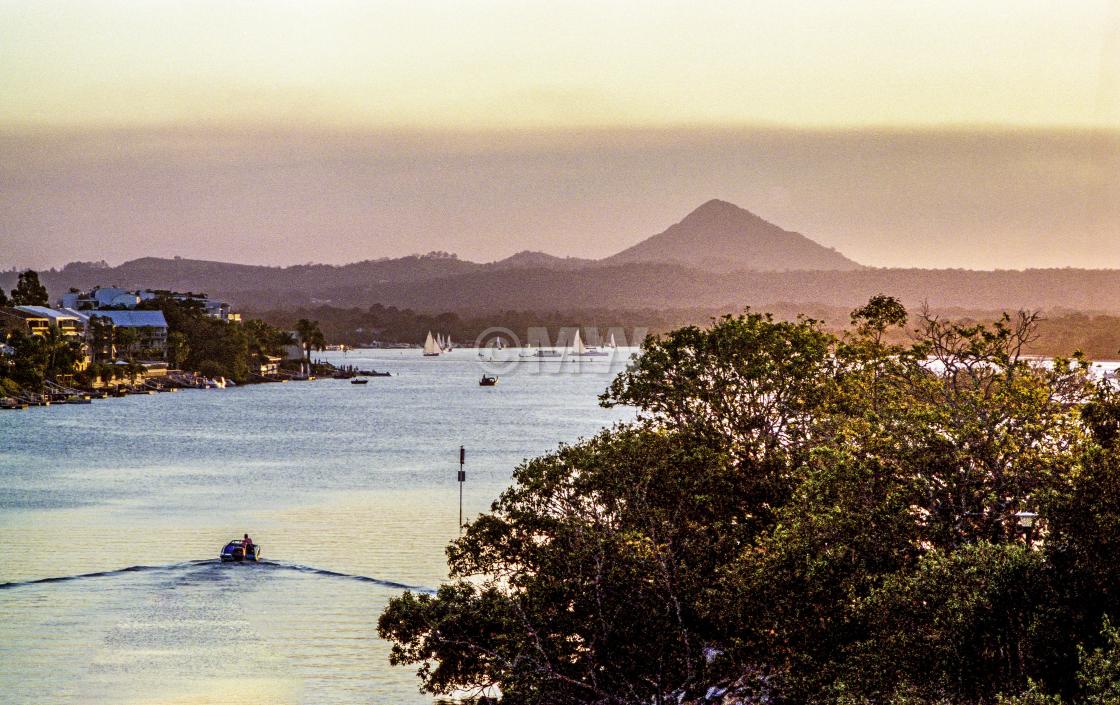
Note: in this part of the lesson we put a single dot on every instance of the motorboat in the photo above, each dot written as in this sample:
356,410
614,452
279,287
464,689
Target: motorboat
542,352
488,381
234,552
359,381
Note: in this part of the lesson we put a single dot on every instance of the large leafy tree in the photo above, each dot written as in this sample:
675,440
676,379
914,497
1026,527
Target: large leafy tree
802,519
583,583
28,291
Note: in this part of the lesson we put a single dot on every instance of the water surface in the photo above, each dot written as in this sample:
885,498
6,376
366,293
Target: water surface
112,514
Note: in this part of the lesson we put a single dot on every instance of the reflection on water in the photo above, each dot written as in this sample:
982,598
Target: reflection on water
111,517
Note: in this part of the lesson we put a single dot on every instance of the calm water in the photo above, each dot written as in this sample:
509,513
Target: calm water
112,514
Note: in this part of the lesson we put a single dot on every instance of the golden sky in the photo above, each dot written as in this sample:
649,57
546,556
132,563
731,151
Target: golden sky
930,133
495,64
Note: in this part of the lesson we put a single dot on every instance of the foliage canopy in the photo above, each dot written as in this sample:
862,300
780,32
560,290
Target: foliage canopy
800,518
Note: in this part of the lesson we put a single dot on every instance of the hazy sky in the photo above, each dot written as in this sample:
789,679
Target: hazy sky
331,131
573,63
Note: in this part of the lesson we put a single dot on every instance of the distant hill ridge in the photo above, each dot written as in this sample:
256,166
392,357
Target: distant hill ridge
718,256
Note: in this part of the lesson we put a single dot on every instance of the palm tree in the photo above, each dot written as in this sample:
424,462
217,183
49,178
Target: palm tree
126,340
62,353
310,337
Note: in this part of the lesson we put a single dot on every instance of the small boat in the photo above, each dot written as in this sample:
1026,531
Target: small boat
234,552
359,381
431,347
539,352
488,381
375,373
582,350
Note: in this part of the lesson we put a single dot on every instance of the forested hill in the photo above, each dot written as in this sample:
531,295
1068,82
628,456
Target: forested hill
719,255
441,283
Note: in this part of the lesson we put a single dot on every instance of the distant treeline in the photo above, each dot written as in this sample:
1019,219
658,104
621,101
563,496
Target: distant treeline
437,282
1059,332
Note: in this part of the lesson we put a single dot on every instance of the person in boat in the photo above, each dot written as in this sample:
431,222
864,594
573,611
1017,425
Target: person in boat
247,544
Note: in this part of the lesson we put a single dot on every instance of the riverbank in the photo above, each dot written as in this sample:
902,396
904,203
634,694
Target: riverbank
165,381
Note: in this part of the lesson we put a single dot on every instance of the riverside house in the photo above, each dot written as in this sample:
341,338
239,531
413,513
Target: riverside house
37,320
150,328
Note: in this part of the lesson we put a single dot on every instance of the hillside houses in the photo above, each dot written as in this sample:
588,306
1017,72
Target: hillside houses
115,298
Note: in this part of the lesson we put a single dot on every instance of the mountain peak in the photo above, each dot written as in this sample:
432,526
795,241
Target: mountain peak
716,210
721,236
716,205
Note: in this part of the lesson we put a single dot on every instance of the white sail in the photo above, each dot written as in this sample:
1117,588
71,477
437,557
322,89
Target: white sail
612,341
578,344
430,345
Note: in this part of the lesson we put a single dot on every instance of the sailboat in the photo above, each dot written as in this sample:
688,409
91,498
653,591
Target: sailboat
611,344
431,348
582,350
447,343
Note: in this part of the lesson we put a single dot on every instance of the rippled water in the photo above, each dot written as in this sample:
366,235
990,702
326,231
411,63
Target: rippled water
112,514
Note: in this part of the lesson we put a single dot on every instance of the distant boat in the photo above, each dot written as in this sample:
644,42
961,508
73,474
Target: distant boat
540,352
431,347
582,350
359,381
488,381
611,344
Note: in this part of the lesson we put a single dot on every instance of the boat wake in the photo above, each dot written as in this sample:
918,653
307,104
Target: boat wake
218,565
349,576
99,574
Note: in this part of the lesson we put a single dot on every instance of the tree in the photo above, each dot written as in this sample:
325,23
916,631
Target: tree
4,299
805,518
881,313
62,354
28,291
101,338
29,361
582,584
125,341
311,337
178,348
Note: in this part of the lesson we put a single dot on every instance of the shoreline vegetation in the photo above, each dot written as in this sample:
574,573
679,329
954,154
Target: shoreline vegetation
74,365
801,517
1058,333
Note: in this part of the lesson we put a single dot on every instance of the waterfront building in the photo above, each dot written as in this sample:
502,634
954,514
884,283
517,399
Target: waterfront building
150,328
270,364
38,320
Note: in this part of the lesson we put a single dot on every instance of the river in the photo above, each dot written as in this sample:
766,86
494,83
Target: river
112,515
